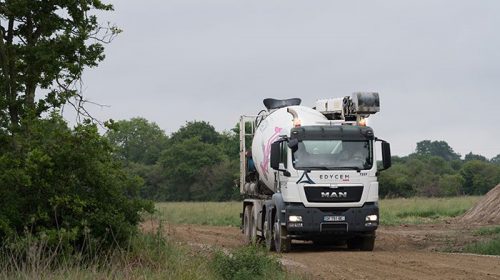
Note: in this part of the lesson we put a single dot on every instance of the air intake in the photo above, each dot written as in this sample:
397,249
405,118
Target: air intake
272,104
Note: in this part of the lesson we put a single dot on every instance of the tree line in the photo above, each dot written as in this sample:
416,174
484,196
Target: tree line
194,163
197,163
435,169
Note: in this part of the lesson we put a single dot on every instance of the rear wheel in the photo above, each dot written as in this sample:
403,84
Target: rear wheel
253,228
281,242
268,234
247,226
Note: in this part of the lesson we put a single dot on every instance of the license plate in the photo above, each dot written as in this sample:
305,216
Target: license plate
334,218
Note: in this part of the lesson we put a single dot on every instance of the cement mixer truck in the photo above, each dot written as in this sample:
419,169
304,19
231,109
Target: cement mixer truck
311,173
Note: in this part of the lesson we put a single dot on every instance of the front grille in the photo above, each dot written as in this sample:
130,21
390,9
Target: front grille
339,227
340,194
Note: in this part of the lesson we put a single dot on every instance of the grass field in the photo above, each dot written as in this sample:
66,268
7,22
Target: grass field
201,213
423,210
392,211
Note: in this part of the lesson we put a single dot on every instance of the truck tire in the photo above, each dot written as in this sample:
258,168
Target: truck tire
253,228
362,243
268,234
281,243
367,243
247,226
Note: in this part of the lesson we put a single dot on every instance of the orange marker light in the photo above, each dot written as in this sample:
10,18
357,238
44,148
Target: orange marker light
362,122
296,123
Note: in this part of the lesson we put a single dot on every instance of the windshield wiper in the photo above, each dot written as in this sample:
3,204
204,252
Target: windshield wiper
333,168
315,168
346,168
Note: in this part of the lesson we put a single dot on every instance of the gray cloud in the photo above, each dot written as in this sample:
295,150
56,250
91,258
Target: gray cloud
436,64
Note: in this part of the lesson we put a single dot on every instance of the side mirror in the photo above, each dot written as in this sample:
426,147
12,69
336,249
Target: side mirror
386,155
293,144
276,158
275,155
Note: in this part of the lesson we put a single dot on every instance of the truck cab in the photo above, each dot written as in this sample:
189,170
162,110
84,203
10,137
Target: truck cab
327,178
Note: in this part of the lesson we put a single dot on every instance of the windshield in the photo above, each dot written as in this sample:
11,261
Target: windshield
333,154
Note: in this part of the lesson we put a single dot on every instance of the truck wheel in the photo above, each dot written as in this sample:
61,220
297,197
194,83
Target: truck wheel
362,243
247,227
367,243
281,243
268,235
253,228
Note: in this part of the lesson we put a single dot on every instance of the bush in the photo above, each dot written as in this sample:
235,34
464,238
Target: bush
247,263
63,186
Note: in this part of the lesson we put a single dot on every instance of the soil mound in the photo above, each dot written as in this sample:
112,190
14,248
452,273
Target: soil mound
486,211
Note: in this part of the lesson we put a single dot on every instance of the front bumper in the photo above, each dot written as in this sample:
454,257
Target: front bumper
313,220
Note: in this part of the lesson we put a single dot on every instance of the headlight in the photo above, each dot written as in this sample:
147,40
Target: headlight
371,218
295,219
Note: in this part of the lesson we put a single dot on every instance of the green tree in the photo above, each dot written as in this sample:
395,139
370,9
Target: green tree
479,176
46,45
436,148
157,182
418,175
230,145
470,156
202,130
217,182
495,159
451,184
395,182
138,140
183,162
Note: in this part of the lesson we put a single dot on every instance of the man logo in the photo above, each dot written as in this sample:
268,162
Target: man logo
334,194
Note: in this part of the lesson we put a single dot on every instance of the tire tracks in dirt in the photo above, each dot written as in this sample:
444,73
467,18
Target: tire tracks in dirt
401,252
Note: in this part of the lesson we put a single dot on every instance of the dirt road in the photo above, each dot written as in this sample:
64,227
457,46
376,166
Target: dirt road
402,252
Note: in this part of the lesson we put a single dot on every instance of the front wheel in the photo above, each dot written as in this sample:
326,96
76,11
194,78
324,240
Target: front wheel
362,243
281,242
367,243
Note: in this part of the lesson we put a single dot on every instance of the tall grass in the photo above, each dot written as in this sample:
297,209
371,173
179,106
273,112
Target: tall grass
491,243
392,211
148,256
423,210
201,213
489,247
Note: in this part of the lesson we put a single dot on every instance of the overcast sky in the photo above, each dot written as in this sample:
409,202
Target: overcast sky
436,64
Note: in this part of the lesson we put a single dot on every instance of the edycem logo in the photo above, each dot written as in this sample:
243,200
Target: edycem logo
343,177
